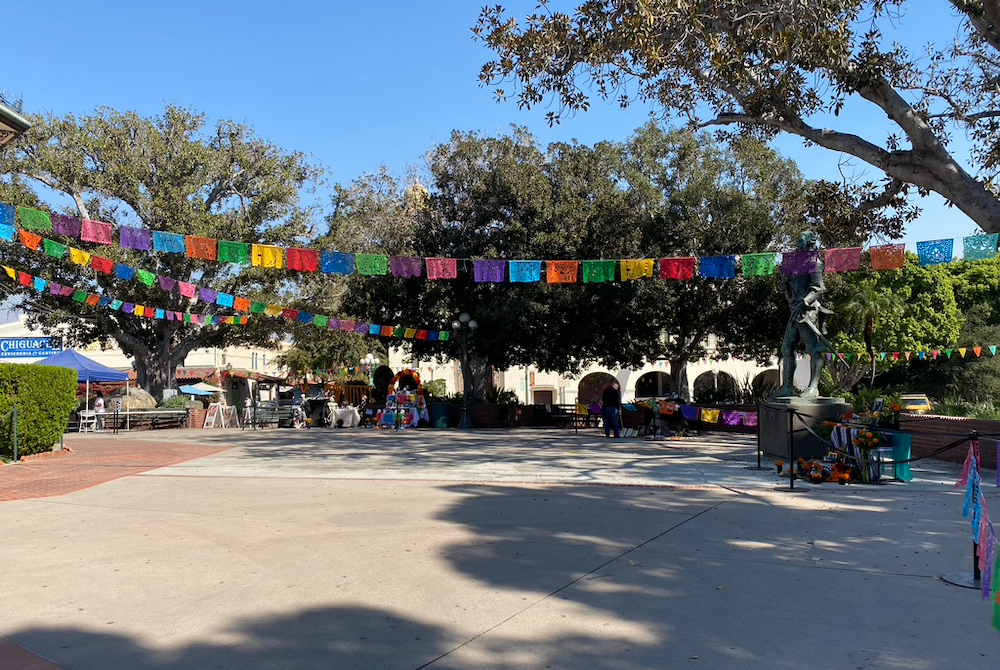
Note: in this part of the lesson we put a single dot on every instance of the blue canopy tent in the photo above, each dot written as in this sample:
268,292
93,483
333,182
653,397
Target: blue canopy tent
87,370
193,390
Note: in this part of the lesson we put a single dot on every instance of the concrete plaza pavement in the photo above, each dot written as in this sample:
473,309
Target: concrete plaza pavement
521,549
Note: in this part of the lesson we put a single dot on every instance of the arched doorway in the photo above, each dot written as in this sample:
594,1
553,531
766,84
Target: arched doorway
592,386
714,387
765,384
653,385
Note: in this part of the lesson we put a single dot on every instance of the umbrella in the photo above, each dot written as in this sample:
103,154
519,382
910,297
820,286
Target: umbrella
208,388
193,390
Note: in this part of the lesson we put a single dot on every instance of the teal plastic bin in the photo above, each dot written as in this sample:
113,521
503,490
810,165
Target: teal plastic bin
439,414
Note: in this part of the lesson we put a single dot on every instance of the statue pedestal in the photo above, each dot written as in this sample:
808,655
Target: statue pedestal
784,423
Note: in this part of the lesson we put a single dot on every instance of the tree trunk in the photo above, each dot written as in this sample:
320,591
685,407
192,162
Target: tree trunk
679,379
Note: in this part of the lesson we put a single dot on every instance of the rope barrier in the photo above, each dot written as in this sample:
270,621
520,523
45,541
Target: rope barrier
893,430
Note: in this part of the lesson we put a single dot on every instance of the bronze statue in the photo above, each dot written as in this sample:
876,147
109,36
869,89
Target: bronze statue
807,323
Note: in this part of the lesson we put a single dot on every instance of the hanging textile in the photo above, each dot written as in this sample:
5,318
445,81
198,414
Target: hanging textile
690,412
799,262
637,269
710,415
847,259
338,263
304,317
30,240
7,215
887,257
139,239
718,267
124,272
406,267
241,304
167,284
935,252
187,290
442,268
33,219
67,226
7,232
273,310
258,308
205,248
598,272
267,256
79,257
525,272
759,265
102,265
24,279
731,418
96,232
234,252
54,249
55,289
168,243
39,284
561,272
93,299
321,321
207,294
680,269
980,247
302,260
146,277
79,296
289,314
489,271
371,265
225,300
749,418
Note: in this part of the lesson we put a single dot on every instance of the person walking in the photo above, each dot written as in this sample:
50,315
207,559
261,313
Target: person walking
99,411
612,399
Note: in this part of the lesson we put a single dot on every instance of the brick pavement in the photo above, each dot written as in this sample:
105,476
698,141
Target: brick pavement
98,459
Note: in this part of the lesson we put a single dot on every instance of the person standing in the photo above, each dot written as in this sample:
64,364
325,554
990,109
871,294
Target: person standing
99,412
612,400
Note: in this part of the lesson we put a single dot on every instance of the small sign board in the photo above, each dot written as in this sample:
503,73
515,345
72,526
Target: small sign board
29,347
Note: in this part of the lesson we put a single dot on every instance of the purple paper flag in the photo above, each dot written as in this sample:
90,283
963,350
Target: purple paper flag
333,324
731,418
128,307
490,271
405,266
139,239
167,284
361,328
208,295
68,226
749,418
799,262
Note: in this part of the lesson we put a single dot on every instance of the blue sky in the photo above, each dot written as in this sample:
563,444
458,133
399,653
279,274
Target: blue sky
353,85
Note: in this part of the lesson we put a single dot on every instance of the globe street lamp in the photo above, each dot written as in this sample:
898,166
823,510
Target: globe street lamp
370,362
465,326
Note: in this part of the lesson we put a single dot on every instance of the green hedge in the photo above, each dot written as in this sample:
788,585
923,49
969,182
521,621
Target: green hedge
45,398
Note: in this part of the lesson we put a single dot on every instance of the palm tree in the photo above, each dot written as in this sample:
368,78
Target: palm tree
867,307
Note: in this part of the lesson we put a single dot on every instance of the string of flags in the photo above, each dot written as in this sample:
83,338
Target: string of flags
97,300
221,299
933,354
692,412
33,222
983,534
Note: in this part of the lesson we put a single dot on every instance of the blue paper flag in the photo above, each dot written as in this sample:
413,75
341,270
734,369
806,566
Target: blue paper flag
124,272
718,267
935,252
525,271
170,243
337,263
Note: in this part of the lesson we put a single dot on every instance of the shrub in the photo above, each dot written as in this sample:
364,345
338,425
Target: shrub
176,402
45,398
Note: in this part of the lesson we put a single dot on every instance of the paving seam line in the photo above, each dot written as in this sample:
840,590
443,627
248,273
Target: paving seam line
571,583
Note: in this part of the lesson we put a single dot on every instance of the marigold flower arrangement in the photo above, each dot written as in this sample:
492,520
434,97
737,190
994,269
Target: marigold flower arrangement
867,439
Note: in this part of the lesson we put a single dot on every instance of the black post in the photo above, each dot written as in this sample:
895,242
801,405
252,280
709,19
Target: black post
792,472
255,409
976,575
463,334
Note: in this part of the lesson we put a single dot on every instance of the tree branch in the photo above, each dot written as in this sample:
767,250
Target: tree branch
894,188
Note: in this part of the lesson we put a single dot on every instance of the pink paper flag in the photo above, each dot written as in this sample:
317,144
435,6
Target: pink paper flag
187,290
843,260
442,268
96,232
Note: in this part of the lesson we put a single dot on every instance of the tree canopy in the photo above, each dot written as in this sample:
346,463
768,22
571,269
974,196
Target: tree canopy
661,194
790,67
167,173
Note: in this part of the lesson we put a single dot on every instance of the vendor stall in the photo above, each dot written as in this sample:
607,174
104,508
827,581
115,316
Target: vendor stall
405,405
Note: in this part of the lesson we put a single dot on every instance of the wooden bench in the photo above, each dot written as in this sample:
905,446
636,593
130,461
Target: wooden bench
280,417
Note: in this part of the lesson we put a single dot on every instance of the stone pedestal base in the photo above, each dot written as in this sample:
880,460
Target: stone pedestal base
784,423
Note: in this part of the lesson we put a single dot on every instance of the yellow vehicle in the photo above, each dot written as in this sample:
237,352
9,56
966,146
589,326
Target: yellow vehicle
916,402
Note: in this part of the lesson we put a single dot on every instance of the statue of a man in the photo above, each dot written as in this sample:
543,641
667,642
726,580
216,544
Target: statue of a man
807,323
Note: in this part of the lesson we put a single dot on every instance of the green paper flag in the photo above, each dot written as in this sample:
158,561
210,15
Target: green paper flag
443,335
321,321
882,355
758,265
993,350
399,332
80,296
54,249
257,308
849,357
371,264
234,252
597,272
33,219
146,277
187,318
947,352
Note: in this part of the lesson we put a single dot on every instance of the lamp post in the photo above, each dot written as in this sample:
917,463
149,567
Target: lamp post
465,326
370,362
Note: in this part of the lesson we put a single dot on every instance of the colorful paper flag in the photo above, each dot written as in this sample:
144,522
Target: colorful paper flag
847,259
636,269
441,268
887,257
96,232
680,269
489,271
597,272
524,272
759,265
302,260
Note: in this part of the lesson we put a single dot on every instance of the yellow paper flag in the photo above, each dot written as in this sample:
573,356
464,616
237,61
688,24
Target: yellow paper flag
268,257
962,352
11,272
710,415
79,257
